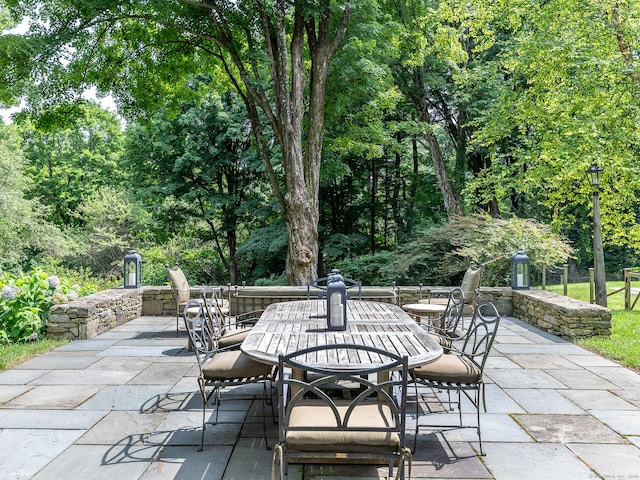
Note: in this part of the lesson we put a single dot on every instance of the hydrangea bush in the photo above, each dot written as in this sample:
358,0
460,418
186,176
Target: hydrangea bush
25,301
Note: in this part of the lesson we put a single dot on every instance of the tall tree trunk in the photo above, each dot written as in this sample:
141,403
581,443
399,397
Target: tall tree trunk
623,42
289,110
372,208
451,202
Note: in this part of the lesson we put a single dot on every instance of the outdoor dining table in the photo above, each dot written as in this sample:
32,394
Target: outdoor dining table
287,327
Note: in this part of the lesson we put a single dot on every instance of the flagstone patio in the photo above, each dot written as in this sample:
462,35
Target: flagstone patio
124,405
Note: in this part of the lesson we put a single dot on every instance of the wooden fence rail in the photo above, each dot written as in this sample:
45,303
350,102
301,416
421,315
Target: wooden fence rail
628,290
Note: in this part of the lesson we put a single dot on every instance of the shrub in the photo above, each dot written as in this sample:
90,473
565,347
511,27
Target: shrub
25,302
440,255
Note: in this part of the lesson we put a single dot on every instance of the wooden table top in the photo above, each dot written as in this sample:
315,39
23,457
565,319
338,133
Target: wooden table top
290,326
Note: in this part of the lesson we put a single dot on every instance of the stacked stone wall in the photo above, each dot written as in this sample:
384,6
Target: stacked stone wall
94,314
89,316
560,315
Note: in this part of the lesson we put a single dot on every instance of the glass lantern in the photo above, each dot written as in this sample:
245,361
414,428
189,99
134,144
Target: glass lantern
336,302
132,269
520,271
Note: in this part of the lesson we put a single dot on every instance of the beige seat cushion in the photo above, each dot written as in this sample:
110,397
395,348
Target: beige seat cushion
449,369
232,337
314,413
442,340
233,364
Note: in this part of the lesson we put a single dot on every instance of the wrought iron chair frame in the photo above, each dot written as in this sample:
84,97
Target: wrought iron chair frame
474,352
204,338
384,395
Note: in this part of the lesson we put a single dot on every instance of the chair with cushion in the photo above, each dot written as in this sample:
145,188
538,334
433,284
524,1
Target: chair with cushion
222,369
450,325
469,286
181,292
230,334
461,371
316,427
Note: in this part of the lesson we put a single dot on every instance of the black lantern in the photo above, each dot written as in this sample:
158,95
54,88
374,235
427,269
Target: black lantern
336,302
594,175
520,271
132,269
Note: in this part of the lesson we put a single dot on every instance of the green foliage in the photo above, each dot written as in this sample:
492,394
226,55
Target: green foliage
113,223
441,254
25,235
369,269
197,173
263,254
70,162
25,302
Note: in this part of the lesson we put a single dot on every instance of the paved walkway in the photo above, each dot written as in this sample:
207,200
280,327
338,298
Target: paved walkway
122,406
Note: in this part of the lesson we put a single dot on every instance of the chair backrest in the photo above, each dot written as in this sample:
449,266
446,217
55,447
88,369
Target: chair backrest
454,311
470,284
482,333
203,336
179,284
212,310
318,288
330,414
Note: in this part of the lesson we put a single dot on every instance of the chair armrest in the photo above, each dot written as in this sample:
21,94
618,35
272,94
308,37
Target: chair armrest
247,318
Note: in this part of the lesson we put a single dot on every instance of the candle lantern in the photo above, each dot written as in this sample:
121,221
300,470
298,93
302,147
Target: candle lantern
520,271
132,269
336,302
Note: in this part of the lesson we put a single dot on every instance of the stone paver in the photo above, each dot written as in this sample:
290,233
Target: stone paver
125,405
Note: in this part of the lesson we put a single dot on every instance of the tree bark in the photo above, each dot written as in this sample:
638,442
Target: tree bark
623,43
295,104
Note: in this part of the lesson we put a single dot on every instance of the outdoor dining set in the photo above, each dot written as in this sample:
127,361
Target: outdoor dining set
342,376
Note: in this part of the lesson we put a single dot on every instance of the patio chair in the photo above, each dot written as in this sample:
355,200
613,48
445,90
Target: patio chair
229,334
450,325
461,371
469,286
224,307
318,428
181,292
222,369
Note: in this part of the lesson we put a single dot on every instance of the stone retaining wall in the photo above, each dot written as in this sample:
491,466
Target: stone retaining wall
560,315
95,314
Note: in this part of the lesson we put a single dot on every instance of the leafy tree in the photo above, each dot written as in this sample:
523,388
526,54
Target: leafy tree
569,100
25,235
199,172
275,53
69,163
441,254
112,223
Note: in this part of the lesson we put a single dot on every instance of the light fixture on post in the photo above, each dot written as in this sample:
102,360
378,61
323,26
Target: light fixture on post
336,301
520,278
132,269
598,252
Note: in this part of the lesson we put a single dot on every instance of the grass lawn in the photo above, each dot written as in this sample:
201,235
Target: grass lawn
12,355
623,345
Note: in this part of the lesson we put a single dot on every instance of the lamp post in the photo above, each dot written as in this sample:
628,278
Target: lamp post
598,253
